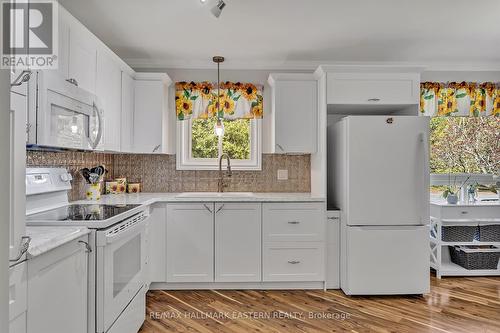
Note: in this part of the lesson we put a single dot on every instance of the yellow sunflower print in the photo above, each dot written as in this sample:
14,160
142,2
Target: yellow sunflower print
183,105
249,91
227,105
205,89
496,105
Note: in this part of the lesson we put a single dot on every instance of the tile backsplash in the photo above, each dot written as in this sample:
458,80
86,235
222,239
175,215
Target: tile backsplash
158,173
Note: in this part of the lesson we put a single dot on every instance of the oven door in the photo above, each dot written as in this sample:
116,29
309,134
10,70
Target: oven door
120,269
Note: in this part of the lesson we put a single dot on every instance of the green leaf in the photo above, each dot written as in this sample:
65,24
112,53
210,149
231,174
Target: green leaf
254,104
186,93
181,116
236,98
461,95
229,93
193,98
429,97
440,102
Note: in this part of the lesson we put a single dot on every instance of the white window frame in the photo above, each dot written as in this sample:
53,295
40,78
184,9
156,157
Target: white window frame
185,161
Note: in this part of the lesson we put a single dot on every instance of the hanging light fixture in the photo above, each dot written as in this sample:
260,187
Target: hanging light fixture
219,126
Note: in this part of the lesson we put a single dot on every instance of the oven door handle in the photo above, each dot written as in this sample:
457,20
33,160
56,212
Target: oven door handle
133,230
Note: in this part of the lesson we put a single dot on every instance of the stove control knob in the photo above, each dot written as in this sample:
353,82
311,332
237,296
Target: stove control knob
66,177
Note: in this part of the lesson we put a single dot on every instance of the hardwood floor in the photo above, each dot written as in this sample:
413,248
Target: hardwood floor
469,305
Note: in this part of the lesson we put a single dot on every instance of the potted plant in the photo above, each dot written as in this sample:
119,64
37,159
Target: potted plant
450,194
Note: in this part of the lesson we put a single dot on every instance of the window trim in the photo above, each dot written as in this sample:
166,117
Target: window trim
184,161
443,179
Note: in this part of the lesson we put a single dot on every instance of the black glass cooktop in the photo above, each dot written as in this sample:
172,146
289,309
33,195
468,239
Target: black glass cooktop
85,212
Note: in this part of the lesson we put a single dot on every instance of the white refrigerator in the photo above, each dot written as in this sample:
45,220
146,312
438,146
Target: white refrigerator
379,178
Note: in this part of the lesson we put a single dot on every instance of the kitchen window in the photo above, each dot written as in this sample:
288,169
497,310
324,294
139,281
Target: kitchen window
199,148
464,149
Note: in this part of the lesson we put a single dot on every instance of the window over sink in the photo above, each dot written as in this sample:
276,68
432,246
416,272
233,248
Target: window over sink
199,148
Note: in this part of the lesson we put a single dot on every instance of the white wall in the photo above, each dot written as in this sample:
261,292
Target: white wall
251,76
459,76
4,197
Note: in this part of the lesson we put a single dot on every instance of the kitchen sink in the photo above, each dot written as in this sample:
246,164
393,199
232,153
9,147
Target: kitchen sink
215,195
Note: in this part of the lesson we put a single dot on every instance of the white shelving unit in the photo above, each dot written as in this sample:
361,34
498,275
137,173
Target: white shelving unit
448,215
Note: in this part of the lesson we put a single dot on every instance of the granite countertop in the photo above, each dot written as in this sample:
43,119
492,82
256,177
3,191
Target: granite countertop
44,239
150,198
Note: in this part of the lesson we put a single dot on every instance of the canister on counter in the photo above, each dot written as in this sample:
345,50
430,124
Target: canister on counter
134,187
111,187
122,185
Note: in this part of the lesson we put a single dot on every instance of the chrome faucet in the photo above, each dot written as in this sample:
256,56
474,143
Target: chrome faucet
220,184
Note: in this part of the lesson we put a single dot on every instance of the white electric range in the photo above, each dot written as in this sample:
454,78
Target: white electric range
117,261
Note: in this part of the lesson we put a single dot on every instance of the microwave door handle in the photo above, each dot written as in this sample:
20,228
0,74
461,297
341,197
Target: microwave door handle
94,143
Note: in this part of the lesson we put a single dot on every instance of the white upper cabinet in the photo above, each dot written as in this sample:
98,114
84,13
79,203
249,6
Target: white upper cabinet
151,112
82,56
109,92
127,114
63,39
374,89
295,112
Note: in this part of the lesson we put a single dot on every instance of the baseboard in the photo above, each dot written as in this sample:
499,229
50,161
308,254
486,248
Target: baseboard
237,285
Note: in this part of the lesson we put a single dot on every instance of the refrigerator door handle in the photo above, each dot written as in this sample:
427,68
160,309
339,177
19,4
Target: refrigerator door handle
424,190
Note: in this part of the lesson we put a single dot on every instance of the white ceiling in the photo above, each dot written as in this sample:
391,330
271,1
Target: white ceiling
272,34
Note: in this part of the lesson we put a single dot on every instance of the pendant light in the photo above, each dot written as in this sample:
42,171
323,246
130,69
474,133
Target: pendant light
219,126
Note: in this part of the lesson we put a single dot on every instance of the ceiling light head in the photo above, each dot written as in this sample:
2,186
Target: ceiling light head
217,9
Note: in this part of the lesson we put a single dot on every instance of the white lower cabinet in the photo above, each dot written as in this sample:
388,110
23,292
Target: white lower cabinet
190,242
229,242
57,290
18,300
238,242
157,265
294,246
294,261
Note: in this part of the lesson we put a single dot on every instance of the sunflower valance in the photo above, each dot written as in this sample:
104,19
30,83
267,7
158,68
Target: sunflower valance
460,99
199,100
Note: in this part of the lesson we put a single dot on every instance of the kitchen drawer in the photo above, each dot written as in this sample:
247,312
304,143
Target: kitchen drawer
289,222
373,88
464,212
294,262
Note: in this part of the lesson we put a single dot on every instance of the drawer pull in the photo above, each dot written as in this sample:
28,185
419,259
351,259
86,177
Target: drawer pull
332,218
464,212
294,262
373,99
293,222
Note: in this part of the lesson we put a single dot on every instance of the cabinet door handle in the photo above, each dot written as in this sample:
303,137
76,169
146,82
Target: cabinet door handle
373,99
87,246
293,222
208,208
220,208
23,248
73,82
294,262
155,149
280,147
332,218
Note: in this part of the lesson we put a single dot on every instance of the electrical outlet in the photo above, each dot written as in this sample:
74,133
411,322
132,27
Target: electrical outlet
282,174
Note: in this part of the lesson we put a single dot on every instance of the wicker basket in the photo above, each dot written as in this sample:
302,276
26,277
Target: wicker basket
458,233
489,233
475,257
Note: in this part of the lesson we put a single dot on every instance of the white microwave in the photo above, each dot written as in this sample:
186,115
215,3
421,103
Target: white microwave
62,115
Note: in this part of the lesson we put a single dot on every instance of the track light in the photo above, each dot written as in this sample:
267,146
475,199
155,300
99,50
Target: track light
217,9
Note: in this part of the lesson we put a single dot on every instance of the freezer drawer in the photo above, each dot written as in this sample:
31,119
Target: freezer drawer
386,260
